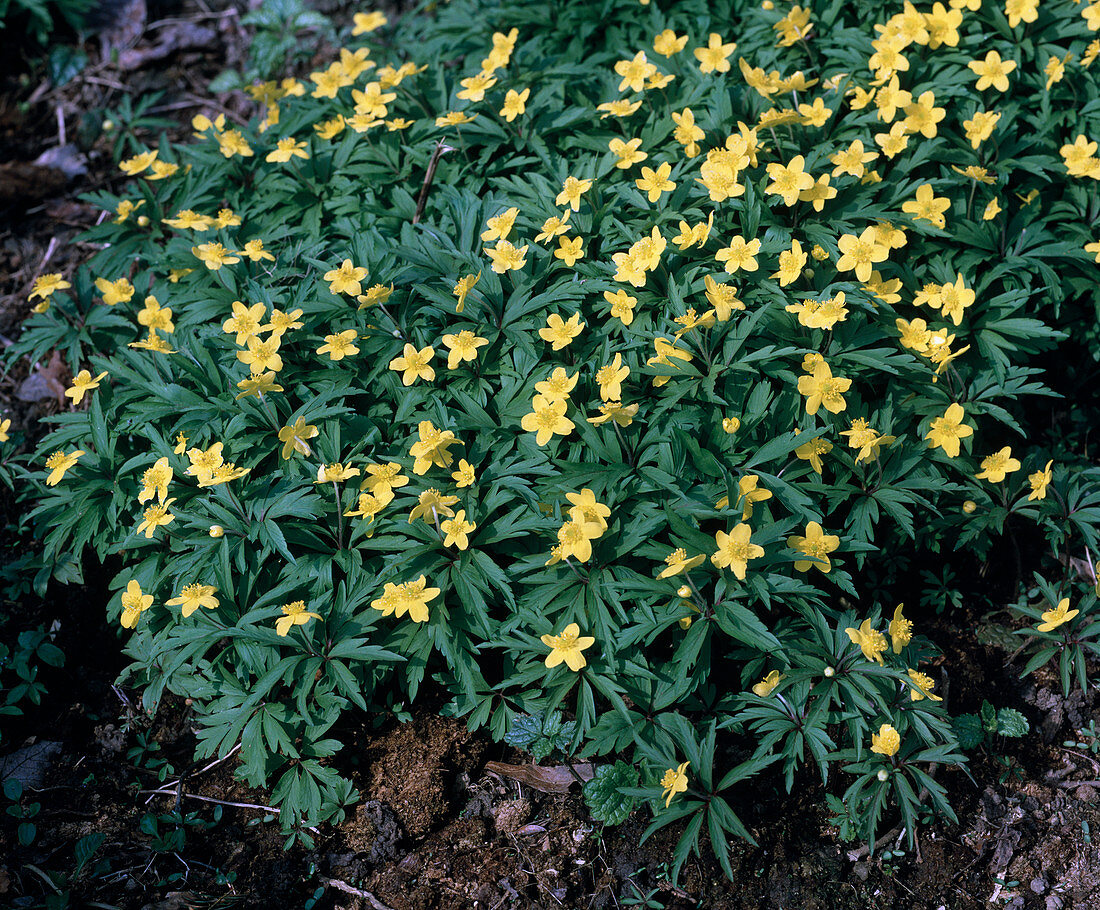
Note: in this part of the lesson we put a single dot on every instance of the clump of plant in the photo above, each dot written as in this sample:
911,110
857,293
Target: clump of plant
577,365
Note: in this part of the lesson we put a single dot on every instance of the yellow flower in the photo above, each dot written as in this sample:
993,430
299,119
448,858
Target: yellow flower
739,255
1052,619
335,473
194,596
45,285
134,603
992,72
859,254
257,385
946,431
430,449
214,255
926,206
287,148
431,505
722,297
788,180
622,305
154,517
381,479
82,384
255,252
515,103
558,385
569,250
294,614
821,388
411,597
816,545
886,742
748,493
457,530
675,781
156,317
559,332
1039,482
135,165
980,126
921,686
340,345
281,322
871,642
453,118
567,647
58,463
900,629
623,415
294,438
610,377
462,347
813,450
634,72
571,191
655,182
113,292
462,289
346,279
668,43
475,87
500,226
861,435
465,475
414,364
714,58
997,466
155,480
735,550
5,425
260,355
507,257
628,153
767,685
547,418
678,561
368,22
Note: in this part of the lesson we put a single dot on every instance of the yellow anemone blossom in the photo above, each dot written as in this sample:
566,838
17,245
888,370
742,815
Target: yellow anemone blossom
886,742
567,647
871,642
1052,619
767,685
294,614
675,781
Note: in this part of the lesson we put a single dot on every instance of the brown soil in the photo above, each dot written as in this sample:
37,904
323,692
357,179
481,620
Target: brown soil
434,829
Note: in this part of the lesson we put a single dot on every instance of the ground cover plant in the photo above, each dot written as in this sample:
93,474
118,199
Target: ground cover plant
604,365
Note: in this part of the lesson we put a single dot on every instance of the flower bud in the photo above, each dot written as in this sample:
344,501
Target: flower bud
829,672
969,507
767,4
683,591
883,774
685,622
808,273
731,424
216,530
108,125
143,221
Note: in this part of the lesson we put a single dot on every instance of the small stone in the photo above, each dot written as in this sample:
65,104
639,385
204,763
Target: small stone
1038,885
1054,902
